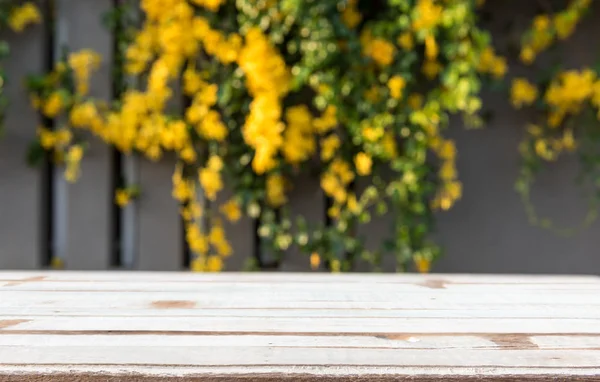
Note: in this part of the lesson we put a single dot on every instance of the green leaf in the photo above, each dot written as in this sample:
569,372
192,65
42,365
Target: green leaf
35,153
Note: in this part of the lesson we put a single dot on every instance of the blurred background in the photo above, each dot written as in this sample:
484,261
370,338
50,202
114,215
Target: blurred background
46,221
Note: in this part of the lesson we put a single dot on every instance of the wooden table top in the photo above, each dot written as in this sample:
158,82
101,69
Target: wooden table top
118,326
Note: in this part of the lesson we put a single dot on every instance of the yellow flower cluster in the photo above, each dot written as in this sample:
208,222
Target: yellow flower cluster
427,14
24,15
210,177
334,183
568,92
380,50
350,15
522,93
242,112
549,147
396,85
268,82
83,64
546,28
299,139
451,189
491,63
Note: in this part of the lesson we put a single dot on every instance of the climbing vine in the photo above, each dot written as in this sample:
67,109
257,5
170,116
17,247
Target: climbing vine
566,104
355,93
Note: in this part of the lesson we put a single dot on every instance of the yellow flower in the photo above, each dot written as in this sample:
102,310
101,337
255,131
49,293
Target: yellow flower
426,15
334,212
565,23
371,134
422,263
231,210
406,42
83,63
315,261
211,127
329,146
122,197
415,101
210,180
527,55
218,240
363,163
192,211
211,5
47,138
276,190
197,241
75,153
543,150
431,69
448,171
431,48
57,263
380,50
409,178
63,137
499,67
85,115
53,105
396,85
198,264
327,121
568,140
541,22
336,266
214,264
389,145
352,204
299,141
183,189
447,150
522,93
24,15
350,16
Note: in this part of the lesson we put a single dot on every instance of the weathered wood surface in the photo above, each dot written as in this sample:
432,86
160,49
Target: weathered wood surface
143,326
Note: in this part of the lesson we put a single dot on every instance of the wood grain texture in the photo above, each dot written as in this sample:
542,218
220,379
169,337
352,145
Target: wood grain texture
80,326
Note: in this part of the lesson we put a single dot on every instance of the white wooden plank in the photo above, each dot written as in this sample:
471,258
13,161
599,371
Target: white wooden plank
245,302
127,373
293,286
225,356
286,291
148,309
364,327
20,187
89,200
458,342
302,324
145,341
304,278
